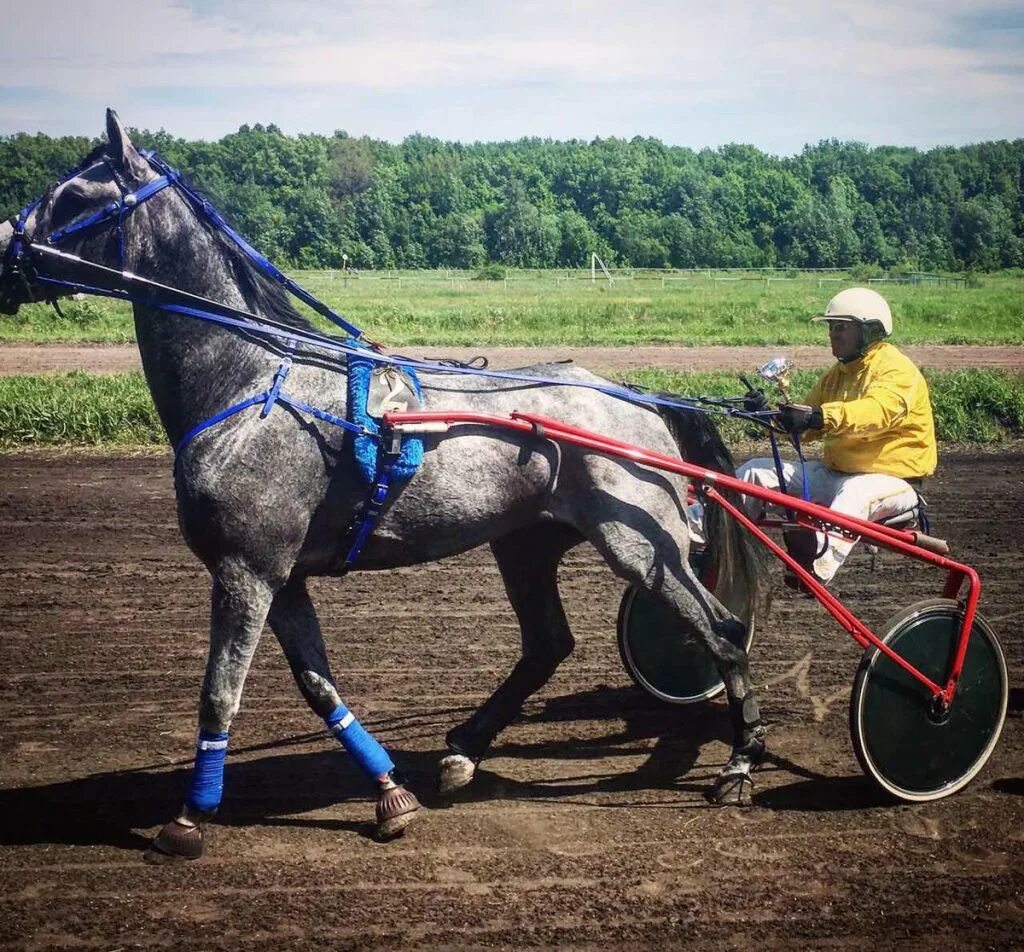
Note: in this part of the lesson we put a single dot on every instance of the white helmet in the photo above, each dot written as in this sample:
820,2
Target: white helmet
861,305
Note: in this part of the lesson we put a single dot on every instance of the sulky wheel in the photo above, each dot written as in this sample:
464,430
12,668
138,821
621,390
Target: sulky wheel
666,661
911,750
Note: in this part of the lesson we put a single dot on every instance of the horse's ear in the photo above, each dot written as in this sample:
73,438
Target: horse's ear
120,146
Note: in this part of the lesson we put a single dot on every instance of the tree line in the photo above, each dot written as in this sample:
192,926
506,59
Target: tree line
310,200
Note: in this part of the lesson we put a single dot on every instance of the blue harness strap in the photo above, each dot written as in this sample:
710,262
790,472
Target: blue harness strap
219,418
805,486
215,218
117,209
366,521
366,447
268,398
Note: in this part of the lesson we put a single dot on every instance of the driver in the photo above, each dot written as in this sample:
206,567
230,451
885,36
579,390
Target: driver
872,412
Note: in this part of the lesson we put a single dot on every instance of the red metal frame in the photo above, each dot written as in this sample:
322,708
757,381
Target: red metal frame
809,515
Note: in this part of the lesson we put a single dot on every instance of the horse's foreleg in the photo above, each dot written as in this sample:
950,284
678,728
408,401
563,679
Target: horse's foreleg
528,561
239,608
294,621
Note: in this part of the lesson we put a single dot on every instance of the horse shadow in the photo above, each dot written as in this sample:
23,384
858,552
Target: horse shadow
283,782
679,733
110,808
280,783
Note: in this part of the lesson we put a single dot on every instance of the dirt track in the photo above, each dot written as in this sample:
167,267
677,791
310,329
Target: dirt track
51,358
587,829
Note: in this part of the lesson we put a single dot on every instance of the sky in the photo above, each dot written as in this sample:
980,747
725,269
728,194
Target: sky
777,75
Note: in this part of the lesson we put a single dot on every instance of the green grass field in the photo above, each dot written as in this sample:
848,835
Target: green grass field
548,308
79,409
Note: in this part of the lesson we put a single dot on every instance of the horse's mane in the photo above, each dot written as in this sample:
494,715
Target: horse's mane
269,298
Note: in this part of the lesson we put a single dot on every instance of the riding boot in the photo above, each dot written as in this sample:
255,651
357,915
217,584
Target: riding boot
802,545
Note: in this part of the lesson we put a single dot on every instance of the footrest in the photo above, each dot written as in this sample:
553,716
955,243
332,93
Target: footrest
931,543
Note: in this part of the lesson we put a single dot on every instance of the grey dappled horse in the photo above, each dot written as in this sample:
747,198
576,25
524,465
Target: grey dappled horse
266,502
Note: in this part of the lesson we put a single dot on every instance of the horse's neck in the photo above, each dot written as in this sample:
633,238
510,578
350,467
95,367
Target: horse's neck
194,368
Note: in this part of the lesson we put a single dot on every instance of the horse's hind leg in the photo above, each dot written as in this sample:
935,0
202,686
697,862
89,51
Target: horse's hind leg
528,561
240,603
640,542
293,619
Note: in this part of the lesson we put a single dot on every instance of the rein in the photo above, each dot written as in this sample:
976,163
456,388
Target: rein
25,252
124,285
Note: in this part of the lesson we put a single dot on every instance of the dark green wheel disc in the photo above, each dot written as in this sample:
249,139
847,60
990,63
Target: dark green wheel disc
905,745
664,659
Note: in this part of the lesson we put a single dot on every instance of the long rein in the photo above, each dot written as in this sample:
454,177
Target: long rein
122,284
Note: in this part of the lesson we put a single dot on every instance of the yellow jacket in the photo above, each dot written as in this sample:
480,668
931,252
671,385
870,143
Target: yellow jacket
878,417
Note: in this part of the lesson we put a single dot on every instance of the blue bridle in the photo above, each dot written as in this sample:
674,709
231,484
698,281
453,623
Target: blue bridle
140,290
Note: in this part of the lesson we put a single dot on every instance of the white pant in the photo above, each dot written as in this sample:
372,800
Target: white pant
870,496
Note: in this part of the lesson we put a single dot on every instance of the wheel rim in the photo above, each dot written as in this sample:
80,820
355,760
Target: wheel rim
911,750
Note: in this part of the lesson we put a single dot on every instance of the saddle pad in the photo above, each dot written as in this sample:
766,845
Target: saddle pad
373,389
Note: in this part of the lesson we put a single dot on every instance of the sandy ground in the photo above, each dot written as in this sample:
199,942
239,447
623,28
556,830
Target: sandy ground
50,358
586,829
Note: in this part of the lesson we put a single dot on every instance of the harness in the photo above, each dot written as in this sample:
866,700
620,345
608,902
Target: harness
26,253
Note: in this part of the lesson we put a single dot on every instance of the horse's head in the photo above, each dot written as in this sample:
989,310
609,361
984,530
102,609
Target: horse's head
107,179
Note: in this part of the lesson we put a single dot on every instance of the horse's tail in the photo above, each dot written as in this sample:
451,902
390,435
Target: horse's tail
734,557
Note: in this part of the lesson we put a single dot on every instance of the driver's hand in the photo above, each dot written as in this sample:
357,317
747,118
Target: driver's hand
754,400
797,417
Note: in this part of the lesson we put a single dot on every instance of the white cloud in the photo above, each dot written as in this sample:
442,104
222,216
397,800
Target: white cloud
804,69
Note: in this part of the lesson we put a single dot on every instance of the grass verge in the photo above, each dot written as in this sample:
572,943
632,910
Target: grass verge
542,309
79,409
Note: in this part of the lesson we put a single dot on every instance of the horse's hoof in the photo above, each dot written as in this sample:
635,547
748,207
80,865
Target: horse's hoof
396,808
177,840
454,772
731,789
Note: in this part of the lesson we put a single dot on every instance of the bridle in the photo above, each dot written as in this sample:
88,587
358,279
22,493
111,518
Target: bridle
26,258
24,253
27,255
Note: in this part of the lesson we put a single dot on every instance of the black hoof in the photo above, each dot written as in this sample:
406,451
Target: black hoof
177,840
731,789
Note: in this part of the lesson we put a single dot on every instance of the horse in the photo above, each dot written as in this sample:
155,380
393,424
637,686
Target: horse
266,501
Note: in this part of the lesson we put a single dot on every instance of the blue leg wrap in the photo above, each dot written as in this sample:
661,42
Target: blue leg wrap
208,775
365,751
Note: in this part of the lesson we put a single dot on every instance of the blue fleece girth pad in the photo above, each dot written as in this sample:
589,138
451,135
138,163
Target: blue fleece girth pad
360,369
360,744
207,786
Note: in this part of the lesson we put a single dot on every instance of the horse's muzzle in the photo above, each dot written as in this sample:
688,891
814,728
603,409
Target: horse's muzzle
9,298
6,234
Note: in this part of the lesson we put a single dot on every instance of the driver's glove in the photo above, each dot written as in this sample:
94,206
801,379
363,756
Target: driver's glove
796,417
754,400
